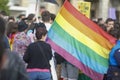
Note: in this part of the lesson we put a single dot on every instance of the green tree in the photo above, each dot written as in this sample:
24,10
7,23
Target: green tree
3,6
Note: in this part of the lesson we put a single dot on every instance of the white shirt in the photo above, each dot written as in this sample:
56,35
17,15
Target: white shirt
48,26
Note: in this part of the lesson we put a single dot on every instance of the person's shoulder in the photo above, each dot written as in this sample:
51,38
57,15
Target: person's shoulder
32,44
47,44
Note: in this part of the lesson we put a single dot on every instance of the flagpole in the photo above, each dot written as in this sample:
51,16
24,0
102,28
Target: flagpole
36,10
36,5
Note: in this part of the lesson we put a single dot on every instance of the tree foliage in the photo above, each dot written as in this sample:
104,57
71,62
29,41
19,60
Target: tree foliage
3,6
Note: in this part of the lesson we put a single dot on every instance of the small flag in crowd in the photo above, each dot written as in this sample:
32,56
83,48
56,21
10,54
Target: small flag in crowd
84,8
81,42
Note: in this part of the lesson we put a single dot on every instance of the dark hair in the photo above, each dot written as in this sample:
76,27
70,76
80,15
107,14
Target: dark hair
21,15
3,13
108,20
31,16
11,18
22,26
52,16
40,31
45,16
36,25
99,19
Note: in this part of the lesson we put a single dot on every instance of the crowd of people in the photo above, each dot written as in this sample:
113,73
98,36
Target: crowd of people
18,39
112,27
25,55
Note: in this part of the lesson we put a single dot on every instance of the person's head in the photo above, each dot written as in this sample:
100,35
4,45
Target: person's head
46,16
116,31
100,21
31,17
52,17
11,19
41,31
109,24
42,9
11,28
3,13
21,16
22,26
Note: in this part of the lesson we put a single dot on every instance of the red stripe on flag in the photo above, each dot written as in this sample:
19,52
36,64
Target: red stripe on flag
88,22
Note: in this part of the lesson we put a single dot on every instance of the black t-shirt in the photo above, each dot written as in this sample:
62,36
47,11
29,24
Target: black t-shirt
37,58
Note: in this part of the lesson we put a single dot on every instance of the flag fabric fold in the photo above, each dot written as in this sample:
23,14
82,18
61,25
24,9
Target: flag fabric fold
81,42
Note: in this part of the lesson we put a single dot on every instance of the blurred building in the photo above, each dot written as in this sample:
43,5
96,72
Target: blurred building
17,7
52,7
99,8
22,7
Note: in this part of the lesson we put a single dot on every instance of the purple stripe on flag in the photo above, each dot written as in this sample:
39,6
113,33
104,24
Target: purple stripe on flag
76,62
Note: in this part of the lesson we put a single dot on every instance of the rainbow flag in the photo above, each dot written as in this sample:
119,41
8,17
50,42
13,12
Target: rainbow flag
81,42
